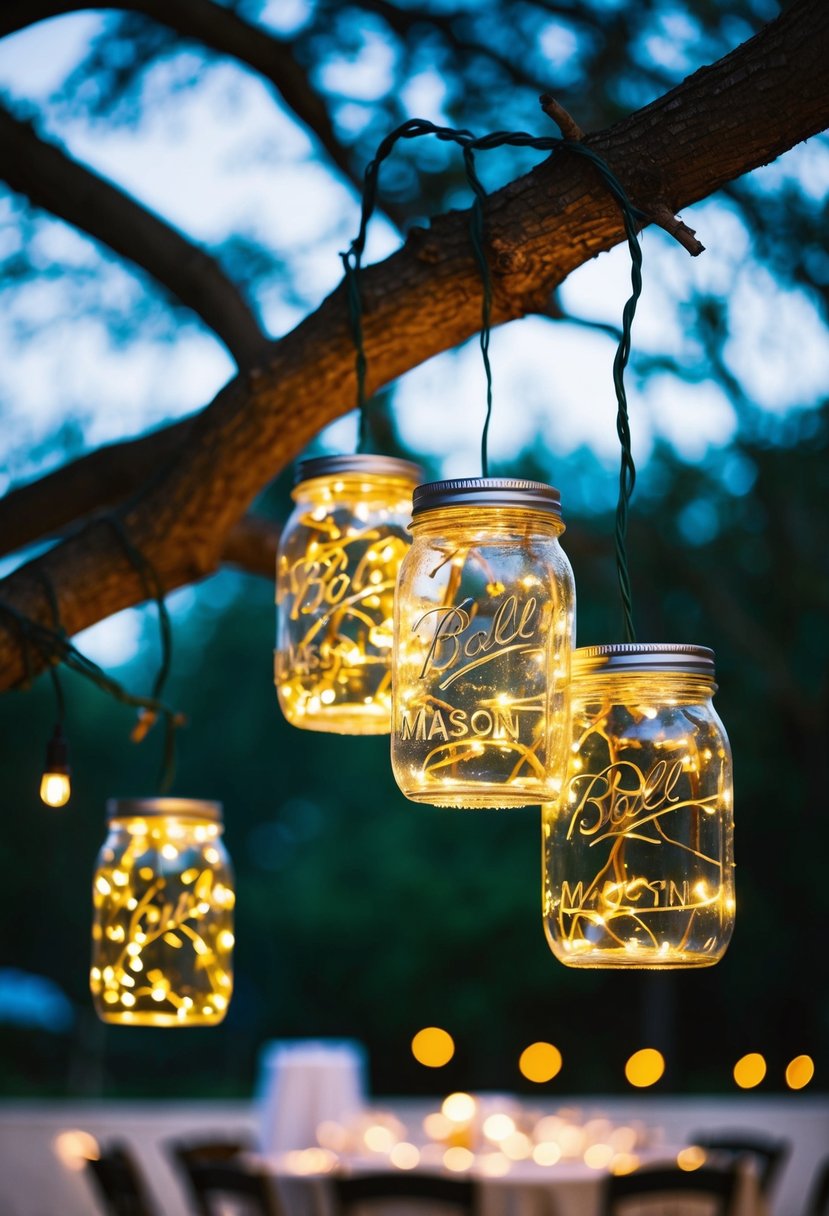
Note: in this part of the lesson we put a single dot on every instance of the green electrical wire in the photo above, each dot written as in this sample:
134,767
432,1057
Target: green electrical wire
54,647
352,263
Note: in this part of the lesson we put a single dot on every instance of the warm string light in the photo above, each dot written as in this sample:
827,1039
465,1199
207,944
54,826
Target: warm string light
163,927
55,784
336,572
638,856
433,1047
493,1135
470,1132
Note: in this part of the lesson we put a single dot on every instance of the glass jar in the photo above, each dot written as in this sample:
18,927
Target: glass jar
483,631
638,850
162,935
336,570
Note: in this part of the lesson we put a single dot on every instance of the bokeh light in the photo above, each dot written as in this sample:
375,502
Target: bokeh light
547,1152
799,1072
498,1126
540,1062
645,1067
749,1070
690,1158
74,1148
433,1047
460,1108
598,1156
458,1159
405,1156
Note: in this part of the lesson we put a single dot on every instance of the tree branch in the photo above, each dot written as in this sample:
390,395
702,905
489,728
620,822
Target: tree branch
51,179
659,212
251,545
92,483
724,120
565,122
223,31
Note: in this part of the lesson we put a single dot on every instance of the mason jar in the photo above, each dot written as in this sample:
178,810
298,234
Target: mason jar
482,638
163,897
638,849
336,571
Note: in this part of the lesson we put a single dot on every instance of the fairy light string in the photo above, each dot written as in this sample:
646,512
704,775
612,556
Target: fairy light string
631,218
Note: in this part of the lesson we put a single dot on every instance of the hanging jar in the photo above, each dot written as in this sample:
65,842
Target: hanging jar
638,850
483,631
336,571
162,935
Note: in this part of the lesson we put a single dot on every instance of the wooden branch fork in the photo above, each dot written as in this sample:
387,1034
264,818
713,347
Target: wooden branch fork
658,212
185,489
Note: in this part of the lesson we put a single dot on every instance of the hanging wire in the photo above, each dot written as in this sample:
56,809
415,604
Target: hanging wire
631,218
51,659
476,233
55,647
153,591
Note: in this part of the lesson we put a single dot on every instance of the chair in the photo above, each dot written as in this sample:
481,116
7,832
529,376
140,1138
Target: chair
185,1153
213,1149
214,1182
769,1155
817,1203
428,1189
671,1183
119,1183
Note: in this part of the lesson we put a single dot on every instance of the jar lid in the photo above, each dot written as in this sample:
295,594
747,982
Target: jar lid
487,492
179,808
383,466
644,656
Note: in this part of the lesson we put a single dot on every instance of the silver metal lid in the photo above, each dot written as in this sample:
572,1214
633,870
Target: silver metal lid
180,808
487,492
384,466
644,656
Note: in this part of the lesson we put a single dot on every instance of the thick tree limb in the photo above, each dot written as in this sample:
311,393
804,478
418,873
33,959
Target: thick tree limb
92,483
724,120
659,212
223,31
251,545
51,179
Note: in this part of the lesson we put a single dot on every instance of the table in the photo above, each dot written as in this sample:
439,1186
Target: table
568,1188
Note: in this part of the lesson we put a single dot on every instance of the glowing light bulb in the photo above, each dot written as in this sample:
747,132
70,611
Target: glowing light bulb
55,786
55,789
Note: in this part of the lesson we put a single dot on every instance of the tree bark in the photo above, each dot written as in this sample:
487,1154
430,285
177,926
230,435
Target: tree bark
724,120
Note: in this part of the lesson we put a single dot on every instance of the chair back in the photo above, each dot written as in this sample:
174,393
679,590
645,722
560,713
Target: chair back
186,1153
426,1189
667,1189
119,1184
233,1183
769,1155
818,1202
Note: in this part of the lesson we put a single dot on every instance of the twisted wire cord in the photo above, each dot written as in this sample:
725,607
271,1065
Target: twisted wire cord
50,659
153,590
476,232
631,217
